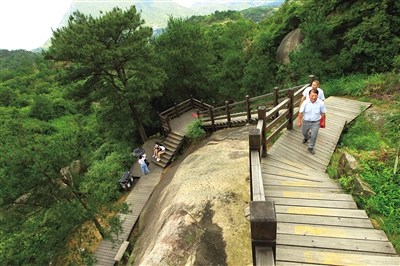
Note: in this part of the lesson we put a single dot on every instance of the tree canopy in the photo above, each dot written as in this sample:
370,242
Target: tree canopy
114,58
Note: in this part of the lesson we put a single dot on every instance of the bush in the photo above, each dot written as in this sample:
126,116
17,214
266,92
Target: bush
195,131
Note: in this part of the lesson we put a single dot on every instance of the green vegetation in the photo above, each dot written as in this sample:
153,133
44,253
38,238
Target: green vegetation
95,93
195,132
374,140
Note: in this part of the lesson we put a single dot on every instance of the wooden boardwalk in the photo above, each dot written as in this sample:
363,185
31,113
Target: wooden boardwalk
138,197
318,224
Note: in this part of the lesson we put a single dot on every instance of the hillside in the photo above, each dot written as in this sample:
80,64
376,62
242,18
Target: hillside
157,13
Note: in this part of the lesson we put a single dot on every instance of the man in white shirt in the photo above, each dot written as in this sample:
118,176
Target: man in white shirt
310,113
314,86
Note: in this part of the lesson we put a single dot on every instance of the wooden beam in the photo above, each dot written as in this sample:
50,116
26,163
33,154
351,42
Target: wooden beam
121,251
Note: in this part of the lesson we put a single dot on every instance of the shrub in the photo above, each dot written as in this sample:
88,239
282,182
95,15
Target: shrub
195,130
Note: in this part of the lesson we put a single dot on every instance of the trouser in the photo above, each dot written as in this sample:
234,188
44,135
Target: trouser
313,127
145,169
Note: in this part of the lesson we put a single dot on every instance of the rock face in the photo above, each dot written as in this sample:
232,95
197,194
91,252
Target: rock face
198,217
362,188
288,44
348,165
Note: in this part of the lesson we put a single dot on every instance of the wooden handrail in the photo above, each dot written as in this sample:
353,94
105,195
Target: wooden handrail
263,223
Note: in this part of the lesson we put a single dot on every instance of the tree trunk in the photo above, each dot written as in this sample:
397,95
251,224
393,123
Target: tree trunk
139,124
84,205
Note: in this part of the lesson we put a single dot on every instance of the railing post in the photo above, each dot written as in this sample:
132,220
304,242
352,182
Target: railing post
191,101
289,117
276,100
202,105
248,109
263,226
254,145
169,124
261,112
254,139
211,110
176,109
311,78
228,114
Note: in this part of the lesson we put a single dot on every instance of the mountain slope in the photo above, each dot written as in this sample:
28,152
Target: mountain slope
157,13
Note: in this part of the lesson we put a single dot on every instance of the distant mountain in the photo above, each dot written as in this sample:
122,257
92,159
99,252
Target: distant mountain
156,13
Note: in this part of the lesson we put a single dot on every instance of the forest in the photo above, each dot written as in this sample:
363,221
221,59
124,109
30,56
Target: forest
72,114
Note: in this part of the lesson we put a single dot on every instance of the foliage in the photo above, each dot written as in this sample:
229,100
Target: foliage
42,108
113,57
195,131
342,37
257,14
186,59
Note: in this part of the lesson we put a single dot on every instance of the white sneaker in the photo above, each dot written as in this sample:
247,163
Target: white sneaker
158,159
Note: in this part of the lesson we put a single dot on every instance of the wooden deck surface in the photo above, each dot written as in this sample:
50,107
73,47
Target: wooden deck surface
318,224
179,124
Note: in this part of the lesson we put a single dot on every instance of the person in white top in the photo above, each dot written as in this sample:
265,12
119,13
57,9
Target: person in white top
314,86
310,114
143,164
158,150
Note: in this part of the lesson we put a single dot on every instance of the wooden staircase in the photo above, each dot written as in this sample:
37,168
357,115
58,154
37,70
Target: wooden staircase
172,143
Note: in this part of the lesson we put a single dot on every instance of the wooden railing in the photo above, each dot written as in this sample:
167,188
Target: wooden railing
263,223
177,110
246,108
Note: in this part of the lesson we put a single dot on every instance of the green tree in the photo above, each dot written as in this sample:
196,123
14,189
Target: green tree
186,58
371,45
114,57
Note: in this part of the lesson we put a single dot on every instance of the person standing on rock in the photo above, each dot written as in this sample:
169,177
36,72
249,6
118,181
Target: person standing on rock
310,113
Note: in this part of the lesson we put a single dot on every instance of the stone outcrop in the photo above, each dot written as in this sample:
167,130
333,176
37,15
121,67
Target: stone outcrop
349,166
362,188
195,217
288,44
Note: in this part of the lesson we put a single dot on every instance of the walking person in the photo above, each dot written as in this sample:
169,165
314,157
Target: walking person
310,113
143,164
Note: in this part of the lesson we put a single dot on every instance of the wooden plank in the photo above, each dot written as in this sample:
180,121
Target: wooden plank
336,243
300,156
274,181
121,251
281,175
301,175
308,195
264,256
306,189
298,152
324,220
321,257
331,231
321,211
314,203
257,181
